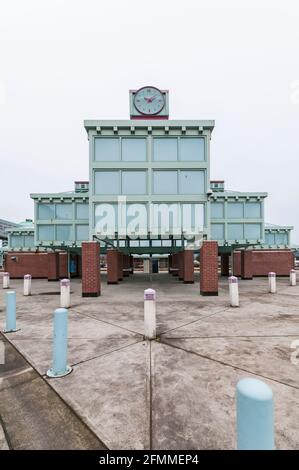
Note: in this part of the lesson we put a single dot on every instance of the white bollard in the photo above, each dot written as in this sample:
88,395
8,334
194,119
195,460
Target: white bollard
272,282
150,314
65,293
27,284
233,291
293,277
6,280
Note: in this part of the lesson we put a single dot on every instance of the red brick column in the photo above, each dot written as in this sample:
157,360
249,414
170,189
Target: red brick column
237,263
112,267
53,266
224,264
126,265
91,278
181,265
120,266
63,265
246,264
175,264
188,267
209,268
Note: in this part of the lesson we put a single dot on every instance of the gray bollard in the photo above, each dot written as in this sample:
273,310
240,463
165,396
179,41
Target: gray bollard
11,307
255,415
60,367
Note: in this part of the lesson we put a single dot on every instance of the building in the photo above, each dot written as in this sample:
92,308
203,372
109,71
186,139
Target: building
150,194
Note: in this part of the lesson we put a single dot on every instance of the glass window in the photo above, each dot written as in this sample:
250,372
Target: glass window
178,243
64,233
235,210
106,219
166,243
165,182
217,210
252,231
235,232
269,238
46,211
191,182
29,241
192,149
82,211
134,243
144,243
106,182
165,218
46,232
156,243
252,210
16,241
133,182
106,149
192,218
82,233
64,211
136,219
165,149
217,231
281,239
133,149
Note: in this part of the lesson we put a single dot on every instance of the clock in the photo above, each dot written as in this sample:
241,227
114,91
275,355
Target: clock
149,101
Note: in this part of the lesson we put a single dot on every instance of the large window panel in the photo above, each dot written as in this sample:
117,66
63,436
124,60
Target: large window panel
192,218
281,239
136,219
106,219
191,182
165,182
252,210
192,149
165,218
217,210
133,149
28,241
16,241
252,231
46,232
46,211
82,211
217,231
133,182
235,210
106,149
235,232
64,233
64,211
270,238
82,233
107,182
165,149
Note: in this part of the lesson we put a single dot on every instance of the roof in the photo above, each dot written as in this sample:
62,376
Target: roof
144,123
278,227
229,193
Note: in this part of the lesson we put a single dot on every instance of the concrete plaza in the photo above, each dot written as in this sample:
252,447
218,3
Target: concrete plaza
177,392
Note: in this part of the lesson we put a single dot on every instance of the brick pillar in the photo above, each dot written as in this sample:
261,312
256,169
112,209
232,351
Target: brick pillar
209,268
181,265
236,263
112,267
175,264
63,265
126,265
224,264
246,264
188,267
169,263
120,266
53,266
91,277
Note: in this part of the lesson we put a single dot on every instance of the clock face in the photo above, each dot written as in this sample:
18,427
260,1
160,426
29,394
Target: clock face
149,100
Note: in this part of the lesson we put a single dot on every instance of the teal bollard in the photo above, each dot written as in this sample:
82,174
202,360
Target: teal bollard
11,322
255,415
60,367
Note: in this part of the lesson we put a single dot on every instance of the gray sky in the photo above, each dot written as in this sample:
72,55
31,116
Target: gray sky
63,61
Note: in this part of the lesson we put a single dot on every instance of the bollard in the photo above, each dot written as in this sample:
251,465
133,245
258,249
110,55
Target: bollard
255,415
65,293
233,291
27,284
150,314
293,277
10,312
60,367
272,282
5,280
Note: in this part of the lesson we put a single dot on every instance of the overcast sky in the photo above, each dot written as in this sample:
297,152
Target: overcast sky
63,61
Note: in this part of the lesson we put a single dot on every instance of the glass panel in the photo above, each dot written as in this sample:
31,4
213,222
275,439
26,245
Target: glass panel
82,233
217,231
82,211
144,243
252,231
133,182
16,241
269,238
106,219
133,149
192,218
29,241
253,210
46,211
106,182
165,218
165,182
178,243
192,149
46,232
166,243
235,210
64,211
64,233
191,182
134,243
156,243
281,239
165,149
235,231
137,219
106,149
217,210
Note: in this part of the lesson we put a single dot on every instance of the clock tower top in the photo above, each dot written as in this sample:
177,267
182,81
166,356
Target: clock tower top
149,102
